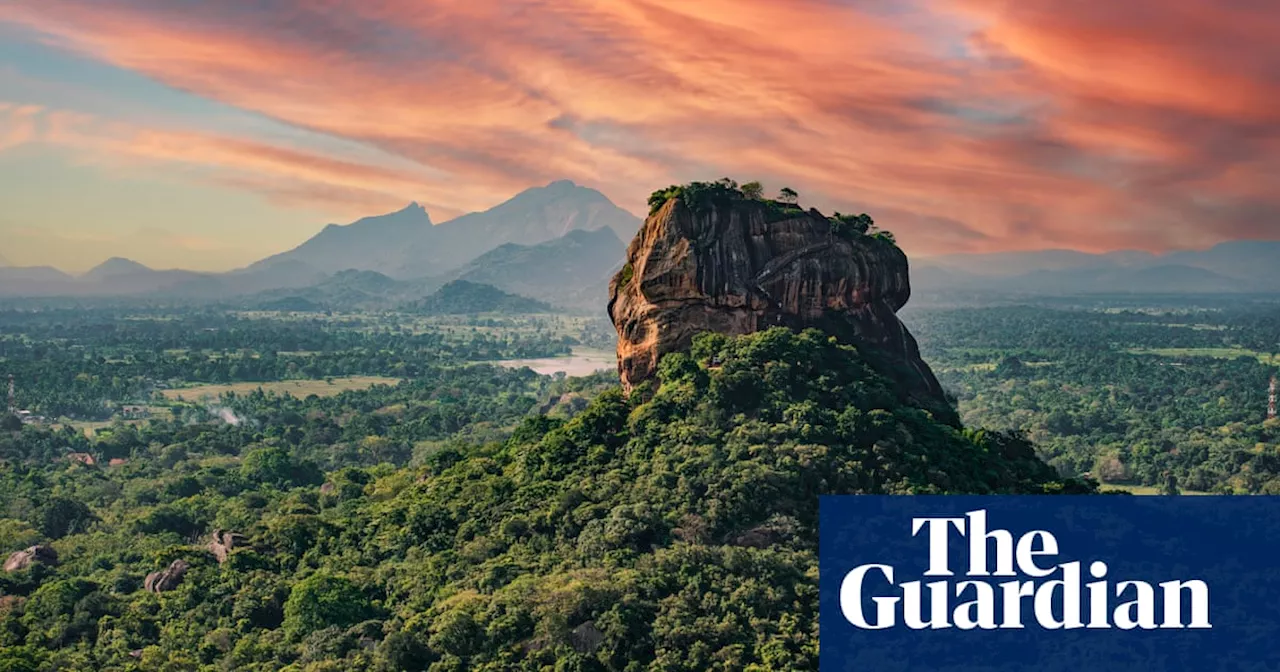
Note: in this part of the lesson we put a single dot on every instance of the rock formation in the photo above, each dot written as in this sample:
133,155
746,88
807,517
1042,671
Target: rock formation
223,543
23,559
164,581
736,266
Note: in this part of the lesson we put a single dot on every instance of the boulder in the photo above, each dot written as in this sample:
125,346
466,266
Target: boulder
223,542
21,560
164,581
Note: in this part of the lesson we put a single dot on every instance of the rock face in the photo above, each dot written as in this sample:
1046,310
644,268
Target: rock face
726,268
164,581
223,543
23,559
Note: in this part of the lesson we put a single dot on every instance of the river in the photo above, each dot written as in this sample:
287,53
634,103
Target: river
580,362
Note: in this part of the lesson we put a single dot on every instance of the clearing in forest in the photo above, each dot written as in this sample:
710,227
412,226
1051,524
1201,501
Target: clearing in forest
298,388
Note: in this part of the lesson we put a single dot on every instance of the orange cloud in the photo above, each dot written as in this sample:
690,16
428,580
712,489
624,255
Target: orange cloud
964,124
17,124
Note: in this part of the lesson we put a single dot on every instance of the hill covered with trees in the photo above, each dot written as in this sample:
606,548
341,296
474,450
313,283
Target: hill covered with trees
462,297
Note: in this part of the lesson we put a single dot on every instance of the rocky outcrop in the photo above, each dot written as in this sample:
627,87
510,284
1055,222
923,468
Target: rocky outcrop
586,638
164,581
736,267
223,543
23,559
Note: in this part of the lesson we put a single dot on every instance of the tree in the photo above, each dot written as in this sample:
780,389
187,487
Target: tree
61,517
753,191
274,465
322,600
10,423
788,195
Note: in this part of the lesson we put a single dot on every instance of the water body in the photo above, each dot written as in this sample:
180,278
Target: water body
580,362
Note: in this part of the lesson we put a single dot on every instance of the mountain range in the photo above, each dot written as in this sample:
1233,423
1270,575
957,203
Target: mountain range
560,244
1230,267
550,241
405,244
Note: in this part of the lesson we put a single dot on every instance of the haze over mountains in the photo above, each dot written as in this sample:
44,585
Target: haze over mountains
1236,266
399,256
405,244
561,243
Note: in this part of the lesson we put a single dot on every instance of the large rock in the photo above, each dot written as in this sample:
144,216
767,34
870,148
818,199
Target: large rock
164,581
223,543
728,269
22,559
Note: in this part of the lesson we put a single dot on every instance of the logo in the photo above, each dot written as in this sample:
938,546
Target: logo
1029,562
1049,583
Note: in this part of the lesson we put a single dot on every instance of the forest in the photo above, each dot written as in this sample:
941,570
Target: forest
87,364
476,516
1128,394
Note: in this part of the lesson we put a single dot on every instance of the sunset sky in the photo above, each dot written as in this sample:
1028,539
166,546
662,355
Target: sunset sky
206,135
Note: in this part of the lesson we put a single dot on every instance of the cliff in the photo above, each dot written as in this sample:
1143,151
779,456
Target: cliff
737,266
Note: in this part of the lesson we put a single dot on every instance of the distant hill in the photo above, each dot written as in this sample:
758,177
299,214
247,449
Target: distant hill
463,298
346,290
1238,266
1013,264
571,271
113,268
122,277
4,263
405,244
34,281
291,304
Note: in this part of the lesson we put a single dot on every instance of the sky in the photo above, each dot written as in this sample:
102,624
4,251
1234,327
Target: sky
206,135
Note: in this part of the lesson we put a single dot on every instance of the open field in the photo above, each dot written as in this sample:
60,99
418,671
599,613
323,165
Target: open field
1146,489
1218,353
298,388
91,429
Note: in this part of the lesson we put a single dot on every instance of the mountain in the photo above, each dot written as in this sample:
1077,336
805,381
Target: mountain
713,260
710,480
376,243
345,290
402,245
124,277
34,281
466,298
405,244
113,268
571,271
4,263
1253,261
1237,266
114,277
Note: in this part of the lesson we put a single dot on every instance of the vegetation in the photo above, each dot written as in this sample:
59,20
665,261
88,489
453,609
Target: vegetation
445,524
1130,396
461,297
470,516
89,364
701,196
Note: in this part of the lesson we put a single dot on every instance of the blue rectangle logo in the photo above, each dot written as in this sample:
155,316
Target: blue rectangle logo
1049,583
